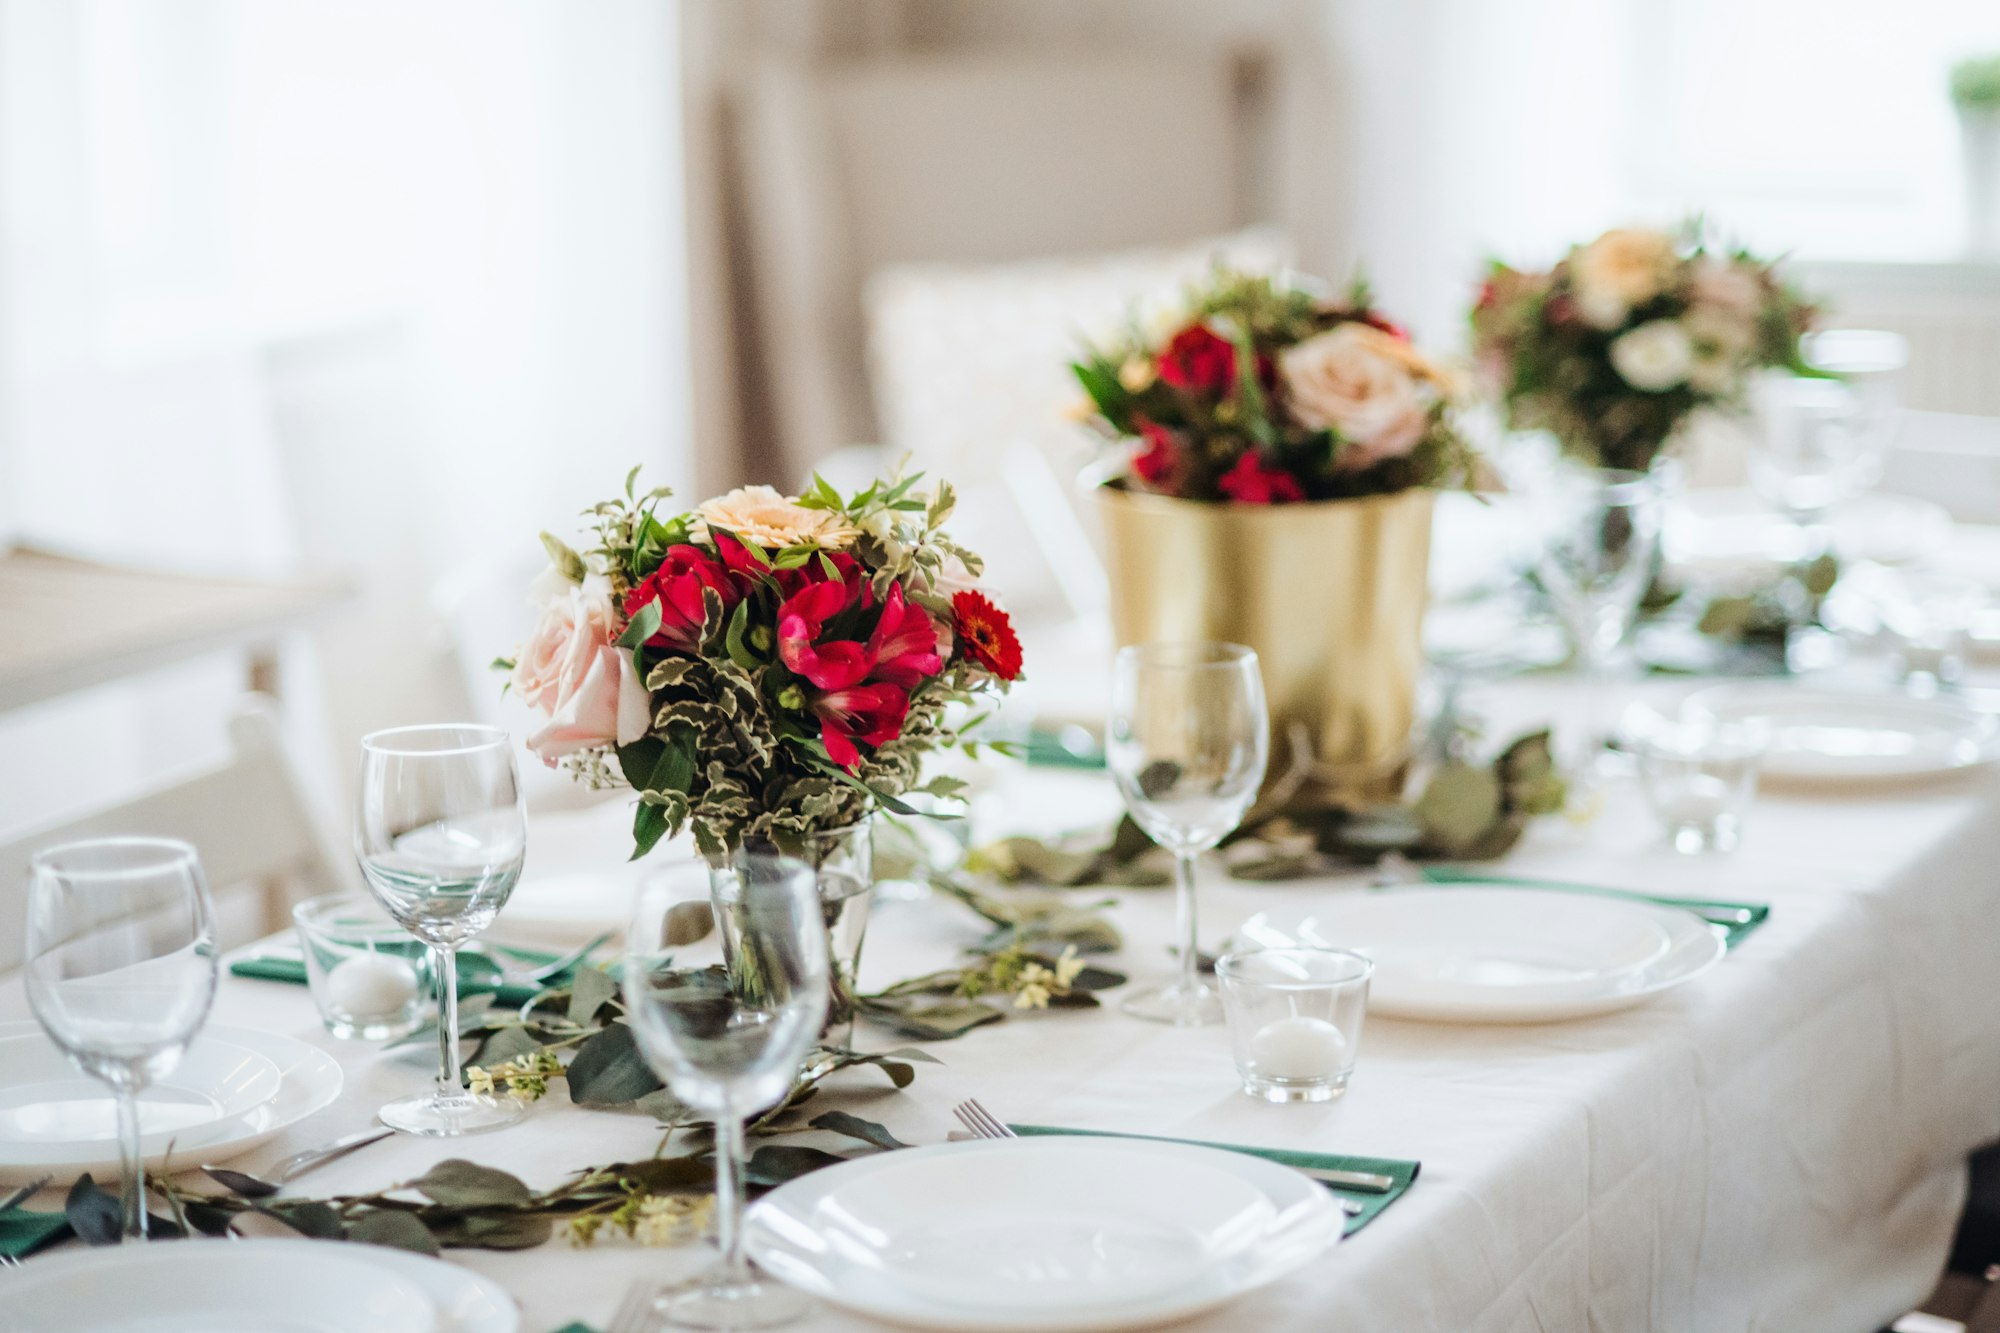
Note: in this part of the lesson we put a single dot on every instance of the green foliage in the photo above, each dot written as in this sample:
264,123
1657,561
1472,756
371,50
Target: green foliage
1975,83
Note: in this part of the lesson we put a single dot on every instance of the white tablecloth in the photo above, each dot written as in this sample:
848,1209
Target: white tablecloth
1778,1146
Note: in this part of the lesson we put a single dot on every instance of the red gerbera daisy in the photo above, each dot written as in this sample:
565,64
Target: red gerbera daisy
987,633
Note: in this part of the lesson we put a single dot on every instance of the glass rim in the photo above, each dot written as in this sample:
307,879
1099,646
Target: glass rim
311,911
1189,654
172,851
1228,967
377,742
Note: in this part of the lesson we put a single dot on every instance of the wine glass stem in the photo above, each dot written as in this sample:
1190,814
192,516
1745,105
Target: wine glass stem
132,1184
445,961
729,1195
1184,920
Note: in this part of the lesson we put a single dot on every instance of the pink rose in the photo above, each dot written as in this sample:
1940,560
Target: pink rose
572,671
1372,389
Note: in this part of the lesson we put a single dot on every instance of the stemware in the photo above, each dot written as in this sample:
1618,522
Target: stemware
1188,742
1602,531
440,836
726,1017
121,971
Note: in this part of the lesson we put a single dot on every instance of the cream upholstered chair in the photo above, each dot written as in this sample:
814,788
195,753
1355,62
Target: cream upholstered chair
981,159
261,845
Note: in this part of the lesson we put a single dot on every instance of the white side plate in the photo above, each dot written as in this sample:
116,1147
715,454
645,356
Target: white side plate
1497,954
1042,1235
47,1102
1826,736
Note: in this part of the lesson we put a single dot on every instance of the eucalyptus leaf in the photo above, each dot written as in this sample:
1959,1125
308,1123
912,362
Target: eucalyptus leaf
240,1184
308,1217
607,1070
687,923
1458,806
854,1127
457,1183
93,1214
486,1231
502,1045
590,988
668,1175
933,1020
776,1163
394,1228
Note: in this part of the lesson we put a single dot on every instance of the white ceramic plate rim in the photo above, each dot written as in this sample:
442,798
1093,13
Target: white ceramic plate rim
1308,1223
1977,742
258,1089
309,1081
1694,947
66,1272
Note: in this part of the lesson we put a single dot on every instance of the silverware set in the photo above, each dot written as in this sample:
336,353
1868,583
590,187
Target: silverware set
985,1125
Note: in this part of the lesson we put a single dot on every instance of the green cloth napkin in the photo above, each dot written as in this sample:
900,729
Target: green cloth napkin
1733,933
1045,749
1402,1172
476,975
23,1232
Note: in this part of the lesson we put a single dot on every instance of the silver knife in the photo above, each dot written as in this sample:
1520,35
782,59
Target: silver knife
1365,1181
299,1163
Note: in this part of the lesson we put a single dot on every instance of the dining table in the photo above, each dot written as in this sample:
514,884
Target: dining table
1779,1144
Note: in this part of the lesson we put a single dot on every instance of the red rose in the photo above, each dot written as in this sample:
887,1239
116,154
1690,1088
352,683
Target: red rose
1251,482
1159,459
987,633
677,586
870,713
1199,360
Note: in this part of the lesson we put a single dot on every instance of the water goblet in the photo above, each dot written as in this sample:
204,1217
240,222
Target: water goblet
440,836
1188,742
121,971
1601,532
726,1017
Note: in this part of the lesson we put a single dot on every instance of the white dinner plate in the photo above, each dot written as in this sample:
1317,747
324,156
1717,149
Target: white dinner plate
308,1081
1042,1235
199,1287
49,1104
1826,736
1725,530
1481,953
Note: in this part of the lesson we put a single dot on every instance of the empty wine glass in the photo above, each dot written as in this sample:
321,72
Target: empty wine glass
1188,742
121,970
726,1017
1602,529
440,837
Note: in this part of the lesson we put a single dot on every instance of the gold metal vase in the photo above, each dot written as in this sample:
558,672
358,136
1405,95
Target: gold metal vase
1331,595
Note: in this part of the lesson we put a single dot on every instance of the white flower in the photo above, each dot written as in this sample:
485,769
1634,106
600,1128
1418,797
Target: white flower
759,514
1623,268
1364,384
1654,357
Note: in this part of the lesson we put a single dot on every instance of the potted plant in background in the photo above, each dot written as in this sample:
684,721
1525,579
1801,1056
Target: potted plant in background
1615,348
766,670
1278,446
1975,92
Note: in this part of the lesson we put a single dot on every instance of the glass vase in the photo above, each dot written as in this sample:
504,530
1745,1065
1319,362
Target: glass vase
843,859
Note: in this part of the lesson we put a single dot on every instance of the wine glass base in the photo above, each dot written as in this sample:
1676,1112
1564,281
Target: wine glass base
720,1301
432,1117
1196,1006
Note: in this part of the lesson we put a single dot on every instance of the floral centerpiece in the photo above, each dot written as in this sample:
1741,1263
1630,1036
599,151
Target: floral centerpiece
763,667
1276,447
1627,337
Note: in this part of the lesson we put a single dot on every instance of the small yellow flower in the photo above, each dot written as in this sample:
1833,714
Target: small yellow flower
1033,987
583,1230
1136,375
1068,967
669,1219
479,1082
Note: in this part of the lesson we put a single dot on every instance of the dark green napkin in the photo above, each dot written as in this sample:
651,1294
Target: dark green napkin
1733,932
476,975
1402,1172
23,1232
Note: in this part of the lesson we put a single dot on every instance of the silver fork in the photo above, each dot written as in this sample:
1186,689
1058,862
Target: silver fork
984,1124
9,1261
22,1195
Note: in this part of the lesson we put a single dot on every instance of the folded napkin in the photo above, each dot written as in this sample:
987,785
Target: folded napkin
23,1232
476,975
1402,1172
1733,932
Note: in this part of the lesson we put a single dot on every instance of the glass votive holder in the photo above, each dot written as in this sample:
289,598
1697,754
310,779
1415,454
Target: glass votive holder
1927,627
1699,775
1294,1019
368,976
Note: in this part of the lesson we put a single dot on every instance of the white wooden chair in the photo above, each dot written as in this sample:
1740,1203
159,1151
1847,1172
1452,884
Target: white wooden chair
261,845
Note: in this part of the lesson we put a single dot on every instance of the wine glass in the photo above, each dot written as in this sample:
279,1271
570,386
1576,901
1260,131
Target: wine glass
1601,531
121,970
440,836
726,1019
1188,742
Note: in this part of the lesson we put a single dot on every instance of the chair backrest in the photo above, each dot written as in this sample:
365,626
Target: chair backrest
246,817
971,159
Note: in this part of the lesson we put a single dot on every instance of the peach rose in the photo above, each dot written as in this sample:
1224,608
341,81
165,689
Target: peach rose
572,671
759,514
1366,385
1623,268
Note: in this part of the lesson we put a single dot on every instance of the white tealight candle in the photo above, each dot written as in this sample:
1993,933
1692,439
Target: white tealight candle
1298,1047
372,986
